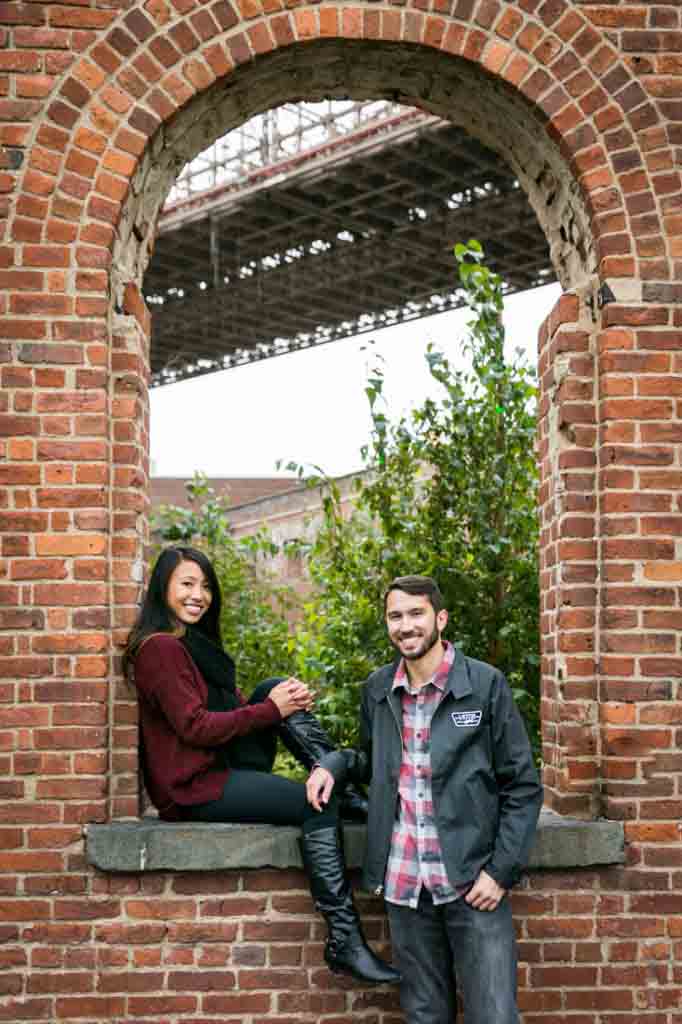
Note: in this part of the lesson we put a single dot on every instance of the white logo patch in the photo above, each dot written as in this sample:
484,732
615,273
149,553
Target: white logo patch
467,719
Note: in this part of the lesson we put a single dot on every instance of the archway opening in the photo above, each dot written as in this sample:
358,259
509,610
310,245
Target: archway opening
439,85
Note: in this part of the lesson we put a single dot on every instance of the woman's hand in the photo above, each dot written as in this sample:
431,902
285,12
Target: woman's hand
319,787
291,695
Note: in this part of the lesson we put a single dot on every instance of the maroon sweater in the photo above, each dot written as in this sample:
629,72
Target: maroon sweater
178,730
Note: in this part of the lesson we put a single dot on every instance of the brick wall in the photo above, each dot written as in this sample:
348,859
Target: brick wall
293,515
99,104
595,948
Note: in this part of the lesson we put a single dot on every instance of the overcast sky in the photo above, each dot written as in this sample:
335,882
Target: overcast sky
311,406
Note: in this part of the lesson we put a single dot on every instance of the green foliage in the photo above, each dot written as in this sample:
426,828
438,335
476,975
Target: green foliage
448,491
256,608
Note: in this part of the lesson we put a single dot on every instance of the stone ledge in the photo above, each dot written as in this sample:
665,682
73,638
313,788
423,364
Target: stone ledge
151,845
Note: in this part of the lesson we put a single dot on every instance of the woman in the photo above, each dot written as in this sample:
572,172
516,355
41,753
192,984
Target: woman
207,753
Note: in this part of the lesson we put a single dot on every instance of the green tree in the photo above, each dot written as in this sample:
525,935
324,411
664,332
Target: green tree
449,491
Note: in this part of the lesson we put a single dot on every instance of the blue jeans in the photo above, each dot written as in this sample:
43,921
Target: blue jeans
449,948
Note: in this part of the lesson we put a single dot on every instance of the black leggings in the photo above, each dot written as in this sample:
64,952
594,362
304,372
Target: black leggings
257,797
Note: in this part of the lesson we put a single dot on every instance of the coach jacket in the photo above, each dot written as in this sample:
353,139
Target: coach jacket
486,791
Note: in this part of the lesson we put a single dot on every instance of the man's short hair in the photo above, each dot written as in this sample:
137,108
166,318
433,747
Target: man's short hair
420,586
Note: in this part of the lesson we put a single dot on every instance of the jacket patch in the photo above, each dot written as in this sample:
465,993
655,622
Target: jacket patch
467,719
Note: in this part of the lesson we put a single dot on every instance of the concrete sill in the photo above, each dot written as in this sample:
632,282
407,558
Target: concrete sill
151,845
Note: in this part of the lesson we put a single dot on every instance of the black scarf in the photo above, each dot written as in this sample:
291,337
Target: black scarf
255,750
216,667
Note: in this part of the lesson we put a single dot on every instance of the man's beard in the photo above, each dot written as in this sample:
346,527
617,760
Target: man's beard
427,645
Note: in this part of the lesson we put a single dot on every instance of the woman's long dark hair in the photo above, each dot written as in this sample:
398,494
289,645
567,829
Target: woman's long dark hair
155,615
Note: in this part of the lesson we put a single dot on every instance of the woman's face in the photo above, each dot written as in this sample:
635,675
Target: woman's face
189,593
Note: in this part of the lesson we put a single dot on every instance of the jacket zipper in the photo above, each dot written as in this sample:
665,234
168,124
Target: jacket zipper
379,889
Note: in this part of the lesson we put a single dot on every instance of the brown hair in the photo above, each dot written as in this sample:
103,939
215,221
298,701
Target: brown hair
421,586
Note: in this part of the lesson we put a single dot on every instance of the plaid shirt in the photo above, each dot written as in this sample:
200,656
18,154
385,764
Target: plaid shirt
415,857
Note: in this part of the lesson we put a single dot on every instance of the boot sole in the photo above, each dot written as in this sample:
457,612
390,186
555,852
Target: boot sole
359,977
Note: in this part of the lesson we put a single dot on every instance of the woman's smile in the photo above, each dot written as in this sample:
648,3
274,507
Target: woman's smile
189,593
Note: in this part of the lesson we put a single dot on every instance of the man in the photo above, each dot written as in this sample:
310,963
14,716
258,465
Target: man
453,804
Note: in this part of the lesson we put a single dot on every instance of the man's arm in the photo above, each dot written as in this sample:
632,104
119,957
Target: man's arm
520,791
341,766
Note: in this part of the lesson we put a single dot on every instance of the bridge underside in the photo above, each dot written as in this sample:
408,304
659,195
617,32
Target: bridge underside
331,243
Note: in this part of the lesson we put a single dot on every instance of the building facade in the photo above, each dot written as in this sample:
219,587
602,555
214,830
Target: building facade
100,103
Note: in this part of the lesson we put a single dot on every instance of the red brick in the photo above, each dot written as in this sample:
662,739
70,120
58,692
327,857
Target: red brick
626,170
95,1007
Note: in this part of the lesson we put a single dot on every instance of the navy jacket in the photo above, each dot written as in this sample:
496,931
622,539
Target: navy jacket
486,791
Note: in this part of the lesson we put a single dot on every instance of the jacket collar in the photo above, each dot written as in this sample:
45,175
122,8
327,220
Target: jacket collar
458,682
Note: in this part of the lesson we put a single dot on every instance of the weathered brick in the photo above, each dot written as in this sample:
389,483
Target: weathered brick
605,75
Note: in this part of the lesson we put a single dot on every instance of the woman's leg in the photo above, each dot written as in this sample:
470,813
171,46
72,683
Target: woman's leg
304,737
263,689
346,950
251,797
260,798
257,750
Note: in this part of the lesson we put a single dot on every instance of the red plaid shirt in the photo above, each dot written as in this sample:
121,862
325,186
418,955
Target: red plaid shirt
415,857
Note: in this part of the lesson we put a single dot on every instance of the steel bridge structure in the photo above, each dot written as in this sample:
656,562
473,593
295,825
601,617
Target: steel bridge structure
316,222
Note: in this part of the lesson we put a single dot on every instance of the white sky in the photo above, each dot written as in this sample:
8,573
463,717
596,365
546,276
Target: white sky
310,406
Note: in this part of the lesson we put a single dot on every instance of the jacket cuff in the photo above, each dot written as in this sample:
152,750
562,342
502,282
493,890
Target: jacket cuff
507,879
335,762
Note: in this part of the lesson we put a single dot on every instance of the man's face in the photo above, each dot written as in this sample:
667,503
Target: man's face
413,626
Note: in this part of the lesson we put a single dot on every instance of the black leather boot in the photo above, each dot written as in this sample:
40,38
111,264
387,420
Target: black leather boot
305,738
345,951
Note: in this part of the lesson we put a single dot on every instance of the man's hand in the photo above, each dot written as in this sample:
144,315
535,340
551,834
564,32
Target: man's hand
319,788
485,893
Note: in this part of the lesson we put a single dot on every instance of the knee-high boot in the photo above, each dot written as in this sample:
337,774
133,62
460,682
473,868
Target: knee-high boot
345,950
305,738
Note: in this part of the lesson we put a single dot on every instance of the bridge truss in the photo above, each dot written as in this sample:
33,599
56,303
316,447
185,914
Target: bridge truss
315,222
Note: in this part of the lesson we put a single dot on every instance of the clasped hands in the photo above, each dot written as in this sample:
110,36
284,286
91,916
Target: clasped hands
484,894
292,695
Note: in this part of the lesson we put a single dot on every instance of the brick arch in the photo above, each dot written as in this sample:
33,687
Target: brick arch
135,88
553,94
92,96
415,76
562,109
153,86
